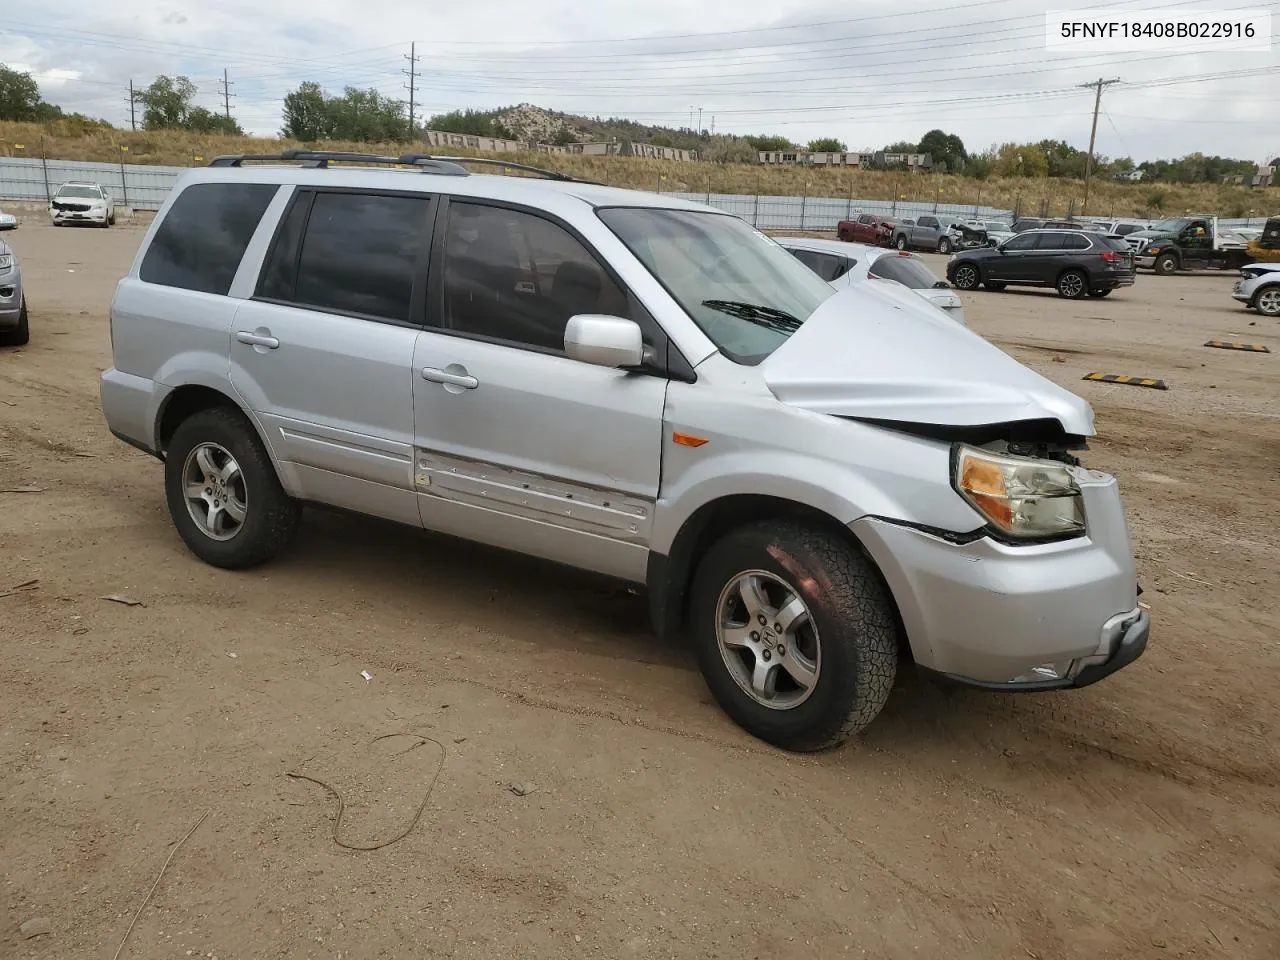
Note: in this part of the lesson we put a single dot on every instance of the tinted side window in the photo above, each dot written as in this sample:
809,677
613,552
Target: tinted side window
280,269
360,253
1074,241
826,265
908,271
1051,240
928,222
1023,241
865,218
513,276
202,238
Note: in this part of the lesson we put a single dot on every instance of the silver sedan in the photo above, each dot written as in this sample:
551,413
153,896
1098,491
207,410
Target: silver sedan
13,302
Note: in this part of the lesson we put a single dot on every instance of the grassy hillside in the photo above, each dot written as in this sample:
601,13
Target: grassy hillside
1054,197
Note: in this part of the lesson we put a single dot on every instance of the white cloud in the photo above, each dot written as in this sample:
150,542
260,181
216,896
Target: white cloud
866,74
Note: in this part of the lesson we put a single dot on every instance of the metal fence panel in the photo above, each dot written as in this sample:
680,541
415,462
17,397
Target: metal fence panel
32,179
145,187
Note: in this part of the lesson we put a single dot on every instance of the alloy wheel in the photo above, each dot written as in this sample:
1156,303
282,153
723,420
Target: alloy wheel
214,488
768,640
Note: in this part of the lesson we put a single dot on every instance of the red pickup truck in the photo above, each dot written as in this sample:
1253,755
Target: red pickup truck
866,228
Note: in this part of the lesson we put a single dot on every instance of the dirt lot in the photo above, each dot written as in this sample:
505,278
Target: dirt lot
1137,818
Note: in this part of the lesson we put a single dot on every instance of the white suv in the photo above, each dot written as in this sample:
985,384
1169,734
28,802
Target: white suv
817,486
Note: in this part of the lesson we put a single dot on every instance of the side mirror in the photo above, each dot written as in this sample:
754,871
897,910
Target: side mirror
603,340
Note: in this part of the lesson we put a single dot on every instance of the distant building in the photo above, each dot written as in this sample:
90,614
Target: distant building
816,158
1132,175
616,148
1260,179
912,161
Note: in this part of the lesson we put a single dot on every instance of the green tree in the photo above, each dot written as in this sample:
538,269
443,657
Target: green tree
306,114
203,120
20,98
827,145
946,149
166,103
902,146
477,123
769,143
1020,160
725,149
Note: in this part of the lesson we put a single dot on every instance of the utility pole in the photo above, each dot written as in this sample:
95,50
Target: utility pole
133,100
699,119
226,94
1093,134
412,74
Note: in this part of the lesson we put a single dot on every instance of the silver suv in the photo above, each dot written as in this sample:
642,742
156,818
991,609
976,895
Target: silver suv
816,486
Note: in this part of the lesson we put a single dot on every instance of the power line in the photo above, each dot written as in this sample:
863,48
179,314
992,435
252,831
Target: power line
412,74
1098,86
226,94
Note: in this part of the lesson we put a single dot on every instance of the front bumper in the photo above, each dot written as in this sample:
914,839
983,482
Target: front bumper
1144,261
1026,617
78,216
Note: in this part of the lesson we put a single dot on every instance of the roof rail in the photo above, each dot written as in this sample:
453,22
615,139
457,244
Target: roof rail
322,158
426,162
494,162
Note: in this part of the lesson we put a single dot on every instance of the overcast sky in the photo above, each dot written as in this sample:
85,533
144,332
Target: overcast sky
868,73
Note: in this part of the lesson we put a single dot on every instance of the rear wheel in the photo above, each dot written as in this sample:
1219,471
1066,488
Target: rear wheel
1166,264
1072,285
795,634
223,493
19,335
1267,302
966,277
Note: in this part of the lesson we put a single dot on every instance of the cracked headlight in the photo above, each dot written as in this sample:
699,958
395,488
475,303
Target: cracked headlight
1021,497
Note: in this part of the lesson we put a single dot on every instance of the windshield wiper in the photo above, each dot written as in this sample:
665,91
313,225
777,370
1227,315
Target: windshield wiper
755,313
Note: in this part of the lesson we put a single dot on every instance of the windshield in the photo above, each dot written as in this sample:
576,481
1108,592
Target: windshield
908,271
1171,226
746,292
80,193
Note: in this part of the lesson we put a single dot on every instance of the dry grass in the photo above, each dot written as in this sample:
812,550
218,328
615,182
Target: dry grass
1033,197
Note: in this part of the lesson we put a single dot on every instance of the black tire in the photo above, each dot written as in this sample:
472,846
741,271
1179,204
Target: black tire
1073,285
901,243
995,286
111,221
1099,293
847,604
20,335
271,516
1266,303
1166,265
966,276
944,246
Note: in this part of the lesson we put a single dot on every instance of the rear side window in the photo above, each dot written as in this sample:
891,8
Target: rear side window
1074,241
1051,240
202,238
360,254
1115,243
908,271
826,265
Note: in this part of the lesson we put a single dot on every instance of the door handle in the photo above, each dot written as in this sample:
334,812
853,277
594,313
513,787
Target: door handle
257,339
452,379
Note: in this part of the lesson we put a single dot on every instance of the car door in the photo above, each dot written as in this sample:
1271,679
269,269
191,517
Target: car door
517,445
1043,264
926,232
323,351
1008,264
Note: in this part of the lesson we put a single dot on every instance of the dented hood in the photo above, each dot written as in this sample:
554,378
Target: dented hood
868,355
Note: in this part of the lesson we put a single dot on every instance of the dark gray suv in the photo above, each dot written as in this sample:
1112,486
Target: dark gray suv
1076,263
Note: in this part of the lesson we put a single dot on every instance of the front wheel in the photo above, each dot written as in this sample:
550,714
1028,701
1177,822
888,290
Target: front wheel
795,634
966,277
1267,302
21,334
1072,285
1166,264
944,245
223,493
901,243
1099,293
